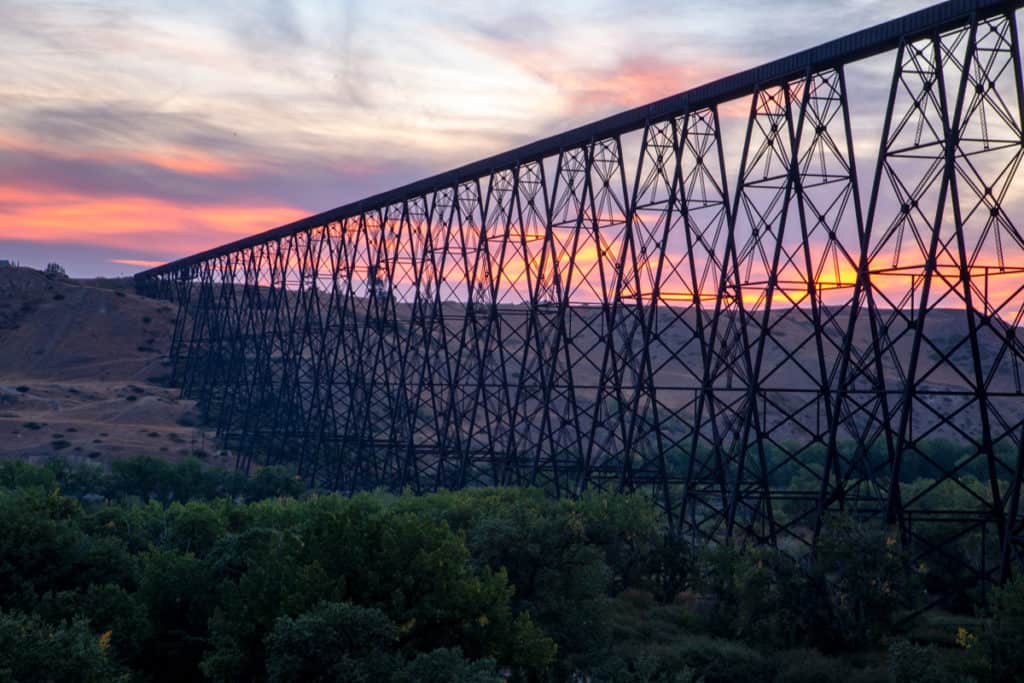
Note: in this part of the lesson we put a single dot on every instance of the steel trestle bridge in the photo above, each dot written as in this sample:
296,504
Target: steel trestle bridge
610,308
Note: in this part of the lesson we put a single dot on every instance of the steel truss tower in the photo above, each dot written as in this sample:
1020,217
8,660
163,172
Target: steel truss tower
608,308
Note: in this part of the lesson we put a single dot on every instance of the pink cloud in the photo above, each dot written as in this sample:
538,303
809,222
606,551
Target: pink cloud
129,221
142,263
591,90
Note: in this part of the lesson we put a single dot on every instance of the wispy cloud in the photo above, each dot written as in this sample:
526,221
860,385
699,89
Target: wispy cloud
141,263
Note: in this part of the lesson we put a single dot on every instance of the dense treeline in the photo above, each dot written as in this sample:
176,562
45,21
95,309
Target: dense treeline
155,572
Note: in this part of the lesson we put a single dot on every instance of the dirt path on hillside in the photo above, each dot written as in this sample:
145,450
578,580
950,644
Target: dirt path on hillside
82,372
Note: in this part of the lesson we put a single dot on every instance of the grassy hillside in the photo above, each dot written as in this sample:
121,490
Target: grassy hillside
82,372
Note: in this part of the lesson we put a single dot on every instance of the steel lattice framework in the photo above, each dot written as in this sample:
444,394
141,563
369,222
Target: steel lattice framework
607,309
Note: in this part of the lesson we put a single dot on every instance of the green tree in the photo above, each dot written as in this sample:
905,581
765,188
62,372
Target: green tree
32,649
760,596
273,482
40,545
109,609
541,545
196,527
263,575
147,478
334,641
444,665
419,572
15,474
629,530
177,591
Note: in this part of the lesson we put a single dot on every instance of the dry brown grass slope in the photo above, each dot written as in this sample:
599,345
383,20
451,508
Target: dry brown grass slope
80,369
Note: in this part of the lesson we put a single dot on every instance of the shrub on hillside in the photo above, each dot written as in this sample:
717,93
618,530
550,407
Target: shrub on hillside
910,663
810,666
998,650
863,572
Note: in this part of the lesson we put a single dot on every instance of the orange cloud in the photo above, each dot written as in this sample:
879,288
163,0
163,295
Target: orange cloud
142,263
131,222
187,161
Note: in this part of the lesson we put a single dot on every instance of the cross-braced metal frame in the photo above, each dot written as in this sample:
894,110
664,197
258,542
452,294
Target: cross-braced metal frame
602,309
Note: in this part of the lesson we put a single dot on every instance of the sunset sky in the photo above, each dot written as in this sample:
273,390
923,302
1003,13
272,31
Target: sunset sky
140,131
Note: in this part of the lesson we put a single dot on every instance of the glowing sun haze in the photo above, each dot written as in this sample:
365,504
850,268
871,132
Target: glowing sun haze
135,132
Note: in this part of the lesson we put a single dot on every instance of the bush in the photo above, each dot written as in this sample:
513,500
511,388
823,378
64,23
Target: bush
810,666
863,572
910,663
55,271
721,661
686,657
999,648
760,596
444,665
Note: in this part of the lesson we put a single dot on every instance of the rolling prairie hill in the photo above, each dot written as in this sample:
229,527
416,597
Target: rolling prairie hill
81,370
83,366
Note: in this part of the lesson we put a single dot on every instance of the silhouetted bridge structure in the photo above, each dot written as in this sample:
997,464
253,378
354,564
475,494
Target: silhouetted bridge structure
612,308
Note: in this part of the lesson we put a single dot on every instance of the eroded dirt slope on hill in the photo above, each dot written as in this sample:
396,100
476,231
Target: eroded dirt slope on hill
82,366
